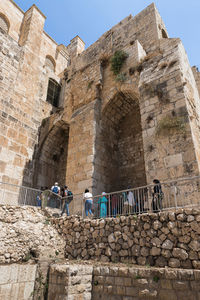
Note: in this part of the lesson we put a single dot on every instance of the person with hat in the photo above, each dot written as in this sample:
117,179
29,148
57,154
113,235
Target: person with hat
55,188
55,200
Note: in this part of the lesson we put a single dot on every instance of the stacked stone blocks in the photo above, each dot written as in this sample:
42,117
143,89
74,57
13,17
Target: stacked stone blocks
164,239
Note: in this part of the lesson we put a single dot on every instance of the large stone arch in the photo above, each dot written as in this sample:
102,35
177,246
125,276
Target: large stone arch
119,155
51,157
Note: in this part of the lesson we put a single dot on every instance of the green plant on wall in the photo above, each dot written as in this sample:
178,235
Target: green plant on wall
170,124
121,77
117,61
90,84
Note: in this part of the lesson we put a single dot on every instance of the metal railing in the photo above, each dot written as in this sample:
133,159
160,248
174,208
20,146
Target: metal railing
172,195
12,194
181,193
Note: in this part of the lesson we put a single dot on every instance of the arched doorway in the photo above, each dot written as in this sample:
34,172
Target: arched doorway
119,146
51,158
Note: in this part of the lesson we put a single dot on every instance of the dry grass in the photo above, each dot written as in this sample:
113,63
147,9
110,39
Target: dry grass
170,125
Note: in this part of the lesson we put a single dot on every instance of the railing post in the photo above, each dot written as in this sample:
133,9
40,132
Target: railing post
82,207
175,200
109,206
25,196
3,194
138,196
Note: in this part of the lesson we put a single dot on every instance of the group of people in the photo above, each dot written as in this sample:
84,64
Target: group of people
128,202
65,195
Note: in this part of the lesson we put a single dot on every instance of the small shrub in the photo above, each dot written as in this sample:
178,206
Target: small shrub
117,61
96,283
90,84
47,222
158,90
27,257
57,252
156,278
121,77
169,124
137,277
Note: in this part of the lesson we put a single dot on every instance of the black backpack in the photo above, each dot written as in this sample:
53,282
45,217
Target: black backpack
70,196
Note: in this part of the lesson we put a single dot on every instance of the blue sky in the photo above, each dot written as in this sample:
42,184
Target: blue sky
91,18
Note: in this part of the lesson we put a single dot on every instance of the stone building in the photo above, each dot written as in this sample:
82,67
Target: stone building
66,117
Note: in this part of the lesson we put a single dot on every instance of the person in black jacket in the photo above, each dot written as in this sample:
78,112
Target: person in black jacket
157,196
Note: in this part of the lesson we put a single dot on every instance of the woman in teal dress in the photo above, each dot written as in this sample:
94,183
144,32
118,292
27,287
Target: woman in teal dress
103,205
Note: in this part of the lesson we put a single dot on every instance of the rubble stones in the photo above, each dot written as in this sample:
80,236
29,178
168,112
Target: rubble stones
27,233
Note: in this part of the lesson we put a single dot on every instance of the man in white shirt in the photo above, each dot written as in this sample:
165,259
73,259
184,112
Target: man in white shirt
88,198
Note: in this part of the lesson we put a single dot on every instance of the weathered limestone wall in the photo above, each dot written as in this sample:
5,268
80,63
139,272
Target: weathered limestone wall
13,141
196,74
121,282
70,282
145,283
17,281
24,82
81,149
25,233
15,16
154,86
163,239
169,144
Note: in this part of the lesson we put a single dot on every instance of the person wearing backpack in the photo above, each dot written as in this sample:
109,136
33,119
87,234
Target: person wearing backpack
55,188
67,197
55,200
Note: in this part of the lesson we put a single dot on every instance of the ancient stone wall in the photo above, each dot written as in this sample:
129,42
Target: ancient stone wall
30,240
68,281
12,149
17,281
108,131
144,283
24,83
197,77
163,239
15,16
164,141
92,282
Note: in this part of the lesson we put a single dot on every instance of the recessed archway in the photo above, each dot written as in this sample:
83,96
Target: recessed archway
51,158
119,146
4,23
